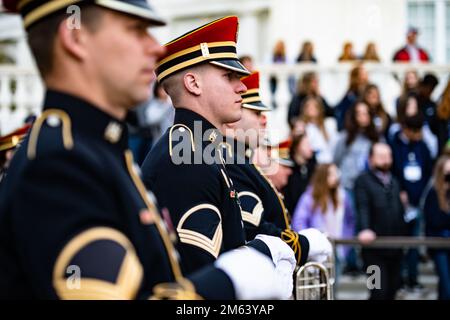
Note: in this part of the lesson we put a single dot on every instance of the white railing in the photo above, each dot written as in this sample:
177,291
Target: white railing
23,89
21,94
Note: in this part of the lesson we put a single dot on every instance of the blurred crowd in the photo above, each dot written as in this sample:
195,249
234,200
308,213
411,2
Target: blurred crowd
362,172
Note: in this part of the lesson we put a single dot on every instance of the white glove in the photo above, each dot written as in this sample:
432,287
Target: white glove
319,246
254,276
285,278
279,250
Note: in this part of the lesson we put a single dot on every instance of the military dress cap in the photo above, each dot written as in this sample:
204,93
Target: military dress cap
33,11
214,42
11,140
280,153
251,98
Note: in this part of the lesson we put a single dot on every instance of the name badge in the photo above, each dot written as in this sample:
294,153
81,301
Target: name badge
411,213
412,173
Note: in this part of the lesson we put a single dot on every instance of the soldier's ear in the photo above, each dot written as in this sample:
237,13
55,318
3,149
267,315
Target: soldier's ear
192,83
72,40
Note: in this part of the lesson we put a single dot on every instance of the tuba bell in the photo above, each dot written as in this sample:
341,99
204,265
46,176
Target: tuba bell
315,281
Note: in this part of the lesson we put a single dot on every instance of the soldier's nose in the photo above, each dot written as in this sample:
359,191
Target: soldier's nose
263,120
242,87
153,47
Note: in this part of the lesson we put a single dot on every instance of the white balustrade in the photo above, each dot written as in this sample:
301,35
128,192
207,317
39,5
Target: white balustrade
21,90
21,94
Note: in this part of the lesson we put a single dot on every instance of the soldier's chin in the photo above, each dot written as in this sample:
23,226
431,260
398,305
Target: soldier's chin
145,93
139,98
235,117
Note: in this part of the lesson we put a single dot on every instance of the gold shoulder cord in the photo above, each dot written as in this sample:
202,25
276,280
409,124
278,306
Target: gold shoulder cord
227,146
288,235
66,131
291,238
159,224
170,136
184,288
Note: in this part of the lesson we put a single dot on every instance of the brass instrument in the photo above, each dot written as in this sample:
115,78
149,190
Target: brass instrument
315,281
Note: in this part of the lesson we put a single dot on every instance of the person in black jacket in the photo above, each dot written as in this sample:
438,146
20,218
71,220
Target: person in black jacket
380,213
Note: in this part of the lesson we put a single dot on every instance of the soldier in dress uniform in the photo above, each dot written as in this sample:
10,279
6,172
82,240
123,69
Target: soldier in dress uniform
76,221
201,73
263,209
280,166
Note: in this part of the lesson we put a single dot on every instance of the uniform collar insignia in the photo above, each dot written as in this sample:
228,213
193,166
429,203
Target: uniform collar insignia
213,136
113,132
85,118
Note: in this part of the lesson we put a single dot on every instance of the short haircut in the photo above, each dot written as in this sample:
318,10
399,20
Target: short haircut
173,83
172,86
42,35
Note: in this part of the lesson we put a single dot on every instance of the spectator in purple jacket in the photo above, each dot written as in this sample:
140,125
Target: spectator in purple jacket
325,206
